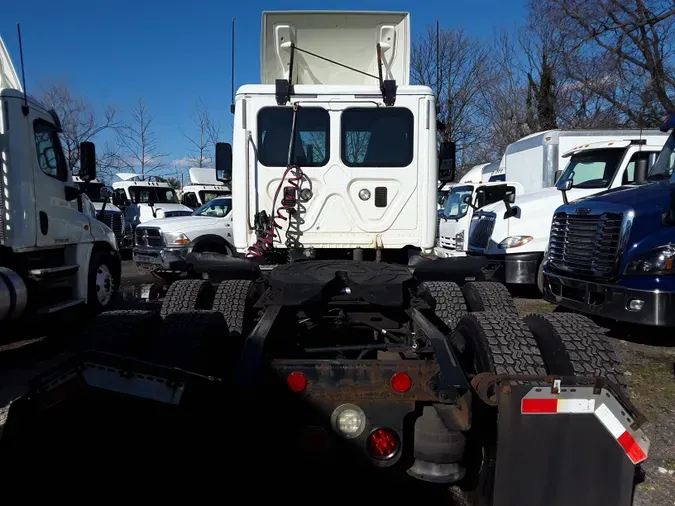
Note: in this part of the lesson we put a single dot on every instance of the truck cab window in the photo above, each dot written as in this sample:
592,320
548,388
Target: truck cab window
312,134
377,137
49,152
120,198
190,200
629,174
455,207
146,194
593,169
665,162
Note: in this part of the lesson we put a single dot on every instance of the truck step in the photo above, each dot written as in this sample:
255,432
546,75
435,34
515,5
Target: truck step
53,272
60,306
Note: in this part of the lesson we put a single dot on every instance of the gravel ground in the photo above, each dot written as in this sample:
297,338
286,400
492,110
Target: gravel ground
651,382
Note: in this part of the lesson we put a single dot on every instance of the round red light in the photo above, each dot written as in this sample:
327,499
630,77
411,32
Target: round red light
401,382
296,381
383,444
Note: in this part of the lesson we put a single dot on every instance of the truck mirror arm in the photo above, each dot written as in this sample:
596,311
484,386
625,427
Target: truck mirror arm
511,211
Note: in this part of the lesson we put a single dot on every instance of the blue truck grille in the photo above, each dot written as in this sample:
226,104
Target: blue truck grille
586,245
481,230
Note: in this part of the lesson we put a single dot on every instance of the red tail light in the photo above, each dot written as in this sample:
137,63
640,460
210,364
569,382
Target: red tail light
383,444
296,381
401,382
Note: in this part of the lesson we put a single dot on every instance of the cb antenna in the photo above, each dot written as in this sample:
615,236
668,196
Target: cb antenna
232,70
439,72
24,108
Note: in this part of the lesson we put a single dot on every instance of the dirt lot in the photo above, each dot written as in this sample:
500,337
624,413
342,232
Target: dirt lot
650,372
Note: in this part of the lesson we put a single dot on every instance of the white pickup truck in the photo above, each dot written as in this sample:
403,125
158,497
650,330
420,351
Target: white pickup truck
161,246
515,244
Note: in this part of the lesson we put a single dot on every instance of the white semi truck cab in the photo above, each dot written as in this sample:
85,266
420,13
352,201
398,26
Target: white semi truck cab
99,194
142,200
514,242
52,254
203,187
363,171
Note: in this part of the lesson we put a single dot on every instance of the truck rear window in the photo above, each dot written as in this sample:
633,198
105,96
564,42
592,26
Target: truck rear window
377,137
312,136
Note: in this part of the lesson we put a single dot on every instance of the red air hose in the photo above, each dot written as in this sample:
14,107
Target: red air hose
265,239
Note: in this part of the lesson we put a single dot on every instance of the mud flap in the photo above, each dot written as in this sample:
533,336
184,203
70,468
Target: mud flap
577,447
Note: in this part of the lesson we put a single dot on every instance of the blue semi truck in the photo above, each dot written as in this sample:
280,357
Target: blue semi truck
612,255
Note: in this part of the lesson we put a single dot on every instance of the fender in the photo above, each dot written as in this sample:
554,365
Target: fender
212,239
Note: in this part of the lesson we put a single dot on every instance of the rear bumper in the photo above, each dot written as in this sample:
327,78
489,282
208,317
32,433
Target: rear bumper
610,301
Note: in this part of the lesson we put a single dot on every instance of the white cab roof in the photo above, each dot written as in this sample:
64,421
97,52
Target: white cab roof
204,175
607,145
8,76
347,37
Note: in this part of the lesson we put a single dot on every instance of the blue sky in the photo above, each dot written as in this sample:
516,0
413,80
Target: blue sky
171,53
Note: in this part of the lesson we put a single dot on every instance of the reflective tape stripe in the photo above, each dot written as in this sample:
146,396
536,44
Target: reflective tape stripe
636,445
611,423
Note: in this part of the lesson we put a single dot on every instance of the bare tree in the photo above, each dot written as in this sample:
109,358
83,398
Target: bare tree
458,80
138,143
81,123
621,51
205,133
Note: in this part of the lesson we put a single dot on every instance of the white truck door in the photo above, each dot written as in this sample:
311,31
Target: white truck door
59,222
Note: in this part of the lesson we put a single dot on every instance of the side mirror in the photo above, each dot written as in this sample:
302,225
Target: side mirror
509,197
87,161
105,193
224,162
446,159
641,170
564,185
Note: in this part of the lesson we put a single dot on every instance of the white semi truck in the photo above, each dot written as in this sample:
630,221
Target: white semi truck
52,254
514,242
106,211
203,187
365,160
143,199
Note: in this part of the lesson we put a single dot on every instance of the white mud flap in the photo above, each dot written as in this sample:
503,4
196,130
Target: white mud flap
578,447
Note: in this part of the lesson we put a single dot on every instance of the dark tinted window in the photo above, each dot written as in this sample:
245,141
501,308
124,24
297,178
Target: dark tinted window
312,134
377,137
49,153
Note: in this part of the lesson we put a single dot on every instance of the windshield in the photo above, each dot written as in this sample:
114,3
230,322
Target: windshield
208,195
593,169
455,208
154,194
663,168
217,208
92,190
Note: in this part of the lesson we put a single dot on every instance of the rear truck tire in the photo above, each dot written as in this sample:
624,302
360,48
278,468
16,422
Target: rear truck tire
502,344
122,332
488,296
446,299
187,294
572,345
193,340
103,279
234,299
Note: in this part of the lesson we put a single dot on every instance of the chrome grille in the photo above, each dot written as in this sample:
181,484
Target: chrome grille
173,214
482,226
447,242
586,245
148,237
113,221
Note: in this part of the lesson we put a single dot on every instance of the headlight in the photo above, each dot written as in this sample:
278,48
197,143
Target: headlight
176,239
459,241
654,261
515,241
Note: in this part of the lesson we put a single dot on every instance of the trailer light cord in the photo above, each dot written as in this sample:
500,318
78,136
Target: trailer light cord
266,234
